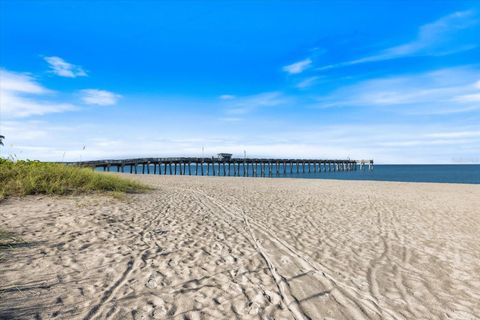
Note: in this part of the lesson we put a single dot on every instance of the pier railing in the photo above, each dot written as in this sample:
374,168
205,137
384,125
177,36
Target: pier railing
225,167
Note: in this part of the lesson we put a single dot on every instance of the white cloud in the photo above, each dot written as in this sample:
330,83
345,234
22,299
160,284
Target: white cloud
19,82
62,68
25,131
273,134
439,92
385,143
437,38
99,97
444,142
19,96
298,67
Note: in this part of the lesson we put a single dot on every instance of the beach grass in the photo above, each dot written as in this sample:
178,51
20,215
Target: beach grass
8,239
20,178
5,237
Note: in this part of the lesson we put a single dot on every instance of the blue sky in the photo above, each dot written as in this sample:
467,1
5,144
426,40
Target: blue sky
395,81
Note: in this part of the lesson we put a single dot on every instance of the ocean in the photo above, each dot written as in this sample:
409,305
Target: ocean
405,173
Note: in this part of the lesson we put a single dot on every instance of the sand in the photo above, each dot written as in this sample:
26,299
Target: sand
246,248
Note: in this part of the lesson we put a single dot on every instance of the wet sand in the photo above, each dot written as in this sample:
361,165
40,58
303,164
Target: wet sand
246,248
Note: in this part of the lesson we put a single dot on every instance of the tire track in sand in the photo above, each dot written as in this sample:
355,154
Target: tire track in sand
108,293
135,261
290,302
343,296
343,299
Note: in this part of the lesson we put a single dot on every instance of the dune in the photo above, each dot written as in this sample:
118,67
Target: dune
246,248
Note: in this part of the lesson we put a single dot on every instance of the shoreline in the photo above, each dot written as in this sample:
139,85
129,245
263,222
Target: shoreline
288,179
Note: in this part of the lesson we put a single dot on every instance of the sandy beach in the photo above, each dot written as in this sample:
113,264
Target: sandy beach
246,248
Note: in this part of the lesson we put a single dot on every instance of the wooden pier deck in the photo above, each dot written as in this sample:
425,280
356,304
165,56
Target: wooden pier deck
225,167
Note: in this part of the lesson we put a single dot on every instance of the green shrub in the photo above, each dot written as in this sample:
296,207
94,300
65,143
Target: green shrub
21,178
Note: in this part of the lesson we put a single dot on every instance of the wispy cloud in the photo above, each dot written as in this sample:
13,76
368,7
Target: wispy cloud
455,134
25,131
468,98
298,67
246,104
99,97
438,92
308,82
62,68
440,37
230,119
227,97
22,96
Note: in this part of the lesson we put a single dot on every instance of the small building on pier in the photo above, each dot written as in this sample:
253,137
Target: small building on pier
224,156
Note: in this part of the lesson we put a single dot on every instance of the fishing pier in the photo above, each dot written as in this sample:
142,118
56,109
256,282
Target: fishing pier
225,166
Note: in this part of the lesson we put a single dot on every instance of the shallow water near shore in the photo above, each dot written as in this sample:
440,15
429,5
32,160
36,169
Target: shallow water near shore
467,173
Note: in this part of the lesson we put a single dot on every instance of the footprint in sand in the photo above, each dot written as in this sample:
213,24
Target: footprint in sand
159,311
217,247
197,305
151,282
234,287
230,259
253,309
272,297
160,308
238,276
285,259
140,315
172,263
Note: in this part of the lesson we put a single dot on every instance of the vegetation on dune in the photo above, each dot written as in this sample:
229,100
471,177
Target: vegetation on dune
19,178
